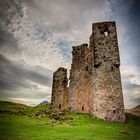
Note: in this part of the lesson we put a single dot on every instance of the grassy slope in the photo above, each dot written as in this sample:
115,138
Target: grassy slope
82,127
134,111
10,106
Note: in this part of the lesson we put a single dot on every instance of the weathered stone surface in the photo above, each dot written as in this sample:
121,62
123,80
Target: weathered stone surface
80,88
107,89
59,90
95,81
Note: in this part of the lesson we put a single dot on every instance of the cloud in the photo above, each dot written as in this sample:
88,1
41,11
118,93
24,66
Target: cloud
19,74
131,86
8,44
126,14
36,39
68,19
18,81
28,55
9,9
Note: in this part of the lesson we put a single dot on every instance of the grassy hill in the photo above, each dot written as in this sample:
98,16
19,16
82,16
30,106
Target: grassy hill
6,106
41,123
137,107
134,111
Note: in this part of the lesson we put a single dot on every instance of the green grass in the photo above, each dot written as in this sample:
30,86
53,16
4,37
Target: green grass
81,127
11,107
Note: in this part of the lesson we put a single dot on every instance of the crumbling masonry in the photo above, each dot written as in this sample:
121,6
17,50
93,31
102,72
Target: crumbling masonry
59,90
95,81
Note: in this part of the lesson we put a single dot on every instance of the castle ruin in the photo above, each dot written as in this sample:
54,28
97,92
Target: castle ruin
95,82
59,98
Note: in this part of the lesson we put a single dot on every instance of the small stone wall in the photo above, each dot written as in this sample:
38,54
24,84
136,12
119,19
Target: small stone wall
59,98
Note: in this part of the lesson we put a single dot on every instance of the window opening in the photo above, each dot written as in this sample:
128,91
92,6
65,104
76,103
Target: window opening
59,106
114,111
106,33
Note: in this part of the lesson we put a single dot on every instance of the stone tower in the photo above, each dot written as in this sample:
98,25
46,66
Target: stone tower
80,86
95,82
59,98
107,89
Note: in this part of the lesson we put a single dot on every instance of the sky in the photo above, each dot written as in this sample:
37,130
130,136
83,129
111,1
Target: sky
36,37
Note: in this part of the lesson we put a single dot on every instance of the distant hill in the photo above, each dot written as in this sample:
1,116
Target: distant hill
11,106
137,107
43,103
134,111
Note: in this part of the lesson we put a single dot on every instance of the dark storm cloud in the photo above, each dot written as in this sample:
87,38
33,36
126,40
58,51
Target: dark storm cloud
126,12
15,77
134,23
5,14
8,10
134,19
8,43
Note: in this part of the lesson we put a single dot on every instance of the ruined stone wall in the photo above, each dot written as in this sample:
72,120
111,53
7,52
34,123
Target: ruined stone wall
107,89
95,81
80,87
59,98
